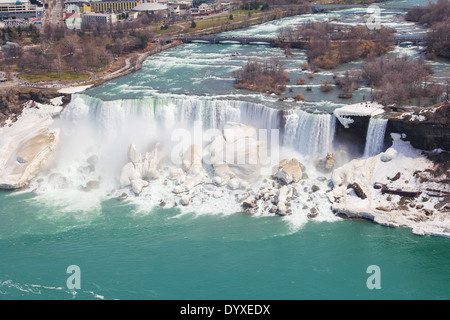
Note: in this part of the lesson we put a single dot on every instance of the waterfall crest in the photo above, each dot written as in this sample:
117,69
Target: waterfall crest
311,134
109,116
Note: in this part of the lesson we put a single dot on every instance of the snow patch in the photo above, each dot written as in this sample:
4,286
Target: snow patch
374,188
70,90
370,109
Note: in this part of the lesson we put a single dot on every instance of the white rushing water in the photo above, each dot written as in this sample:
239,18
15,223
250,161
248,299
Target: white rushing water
375,136
308,133
193,84
96,134
169,113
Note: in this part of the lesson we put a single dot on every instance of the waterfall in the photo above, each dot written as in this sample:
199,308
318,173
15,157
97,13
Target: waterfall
309,133
375,136
111,116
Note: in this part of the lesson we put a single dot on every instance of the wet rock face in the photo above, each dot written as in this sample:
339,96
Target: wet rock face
289,171
355,135
425,128
424,136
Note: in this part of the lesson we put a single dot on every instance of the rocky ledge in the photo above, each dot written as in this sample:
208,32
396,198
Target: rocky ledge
399,187
425,128
27,144
13,100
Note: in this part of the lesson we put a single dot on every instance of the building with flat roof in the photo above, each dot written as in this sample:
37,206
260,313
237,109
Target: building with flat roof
13,9
101,18
152,8
113,6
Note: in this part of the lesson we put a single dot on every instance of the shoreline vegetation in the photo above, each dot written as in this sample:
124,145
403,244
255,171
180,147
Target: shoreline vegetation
57,57
263,75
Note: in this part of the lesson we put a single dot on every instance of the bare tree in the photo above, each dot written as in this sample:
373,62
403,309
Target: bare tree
399,79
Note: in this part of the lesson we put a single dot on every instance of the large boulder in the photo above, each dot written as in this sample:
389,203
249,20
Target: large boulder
191,160
330,161
233,131
289,171
140,169
128,174
192,156
235,154
175,173
282,198
137,185
326,164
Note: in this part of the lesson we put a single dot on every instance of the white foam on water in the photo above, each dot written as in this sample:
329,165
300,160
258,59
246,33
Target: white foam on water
29,290
203,200
96,135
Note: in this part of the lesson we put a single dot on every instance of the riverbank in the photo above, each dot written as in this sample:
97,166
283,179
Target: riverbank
400,187
16,93
116,104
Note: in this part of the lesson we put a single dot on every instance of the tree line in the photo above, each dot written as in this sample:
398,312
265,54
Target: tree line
91,49
400,79
329,45
393,80
263,75
435,16
18,33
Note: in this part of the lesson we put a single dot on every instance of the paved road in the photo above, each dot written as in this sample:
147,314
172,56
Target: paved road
53,15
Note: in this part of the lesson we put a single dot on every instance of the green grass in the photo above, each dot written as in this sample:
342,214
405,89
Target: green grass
170,29
239,11
221,20
210,24
51,76
216,22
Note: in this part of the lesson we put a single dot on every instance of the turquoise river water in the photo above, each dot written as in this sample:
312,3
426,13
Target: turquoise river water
135,249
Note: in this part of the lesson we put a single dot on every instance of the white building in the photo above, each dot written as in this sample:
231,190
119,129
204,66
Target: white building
101,18
204,8
152,8
74,21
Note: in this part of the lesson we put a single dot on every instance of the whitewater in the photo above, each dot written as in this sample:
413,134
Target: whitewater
151,246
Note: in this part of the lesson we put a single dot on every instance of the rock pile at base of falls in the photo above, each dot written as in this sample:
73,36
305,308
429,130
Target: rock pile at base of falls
228,173
394,188
289,171
192,172
235,156
140,169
